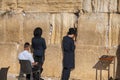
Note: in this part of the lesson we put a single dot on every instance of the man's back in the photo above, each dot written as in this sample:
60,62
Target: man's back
25,55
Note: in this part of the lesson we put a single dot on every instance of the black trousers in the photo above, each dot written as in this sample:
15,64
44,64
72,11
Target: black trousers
27,76
36,75
40,60
66,73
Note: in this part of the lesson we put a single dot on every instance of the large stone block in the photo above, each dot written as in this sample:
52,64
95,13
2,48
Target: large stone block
49,6
33,20
87,6
8,4
65,7
55,28
69,20
14,24
32,1
112,6
93,29
8,52
115,30
118,7
60,25
104,5
0,4
2,29
64,1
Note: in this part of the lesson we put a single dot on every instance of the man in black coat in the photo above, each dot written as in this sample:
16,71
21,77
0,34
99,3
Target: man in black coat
39,47
68,47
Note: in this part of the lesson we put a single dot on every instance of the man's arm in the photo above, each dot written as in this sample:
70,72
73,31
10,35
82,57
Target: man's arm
34,63
32,60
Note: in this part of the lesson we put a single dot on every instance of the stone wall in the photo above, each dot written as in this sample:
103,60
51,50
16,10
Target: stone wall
98,28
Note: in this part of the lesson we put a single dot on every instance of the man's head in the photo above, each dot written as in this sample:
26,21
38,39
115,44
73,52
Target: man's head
72,32
38,32
26,46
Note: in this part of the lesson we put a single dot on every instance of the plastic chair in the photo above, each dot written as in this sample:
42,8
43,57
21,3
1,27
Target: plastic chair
26,68
3,73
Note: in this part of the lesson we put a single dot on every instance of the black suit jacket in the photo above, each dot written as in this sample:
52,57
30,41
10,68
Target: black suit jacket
68,52
39,46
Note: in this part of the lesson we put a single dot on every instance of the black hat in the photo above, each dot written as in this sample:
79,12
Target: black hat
72,31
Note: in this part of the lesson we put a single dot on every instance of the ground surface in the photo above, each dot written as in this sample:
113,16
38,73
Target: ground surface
45,78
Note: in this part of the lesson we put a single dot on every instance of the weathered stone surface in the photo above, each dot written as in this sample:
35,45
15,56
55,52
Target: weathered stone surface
66,1
2,29
61,5
13,27
55,28
98,28
49,1
32,1
69,20
92,29
113,5
115,29
8,52
115,39
60,24
8,4
0,4
49,6
99,5
87,6
118,6
104,5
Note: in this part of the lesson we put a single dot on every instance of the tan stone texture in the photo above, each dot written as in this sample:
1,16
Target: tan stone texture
9,56
115,30
98,27
87,7
95,26
60,24
0,4
61,5
2,29
13,25
104,5
8,4
99,5
50,5
113,5
119,6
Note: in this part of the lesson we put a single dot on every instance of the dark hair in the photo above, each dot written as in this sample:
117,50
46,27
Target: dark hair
26,45
37,32
72,31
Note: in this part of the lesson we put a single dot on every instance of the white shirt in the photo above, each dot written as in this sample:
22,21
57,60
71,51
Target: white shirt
25,55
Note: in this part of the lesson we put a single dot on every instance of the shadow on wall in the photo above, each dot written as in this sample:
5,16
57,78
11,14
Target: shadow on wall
118,59
118,62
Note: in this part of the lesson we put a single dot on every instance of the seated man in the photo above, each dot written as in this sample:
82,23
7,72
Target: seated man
26,55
